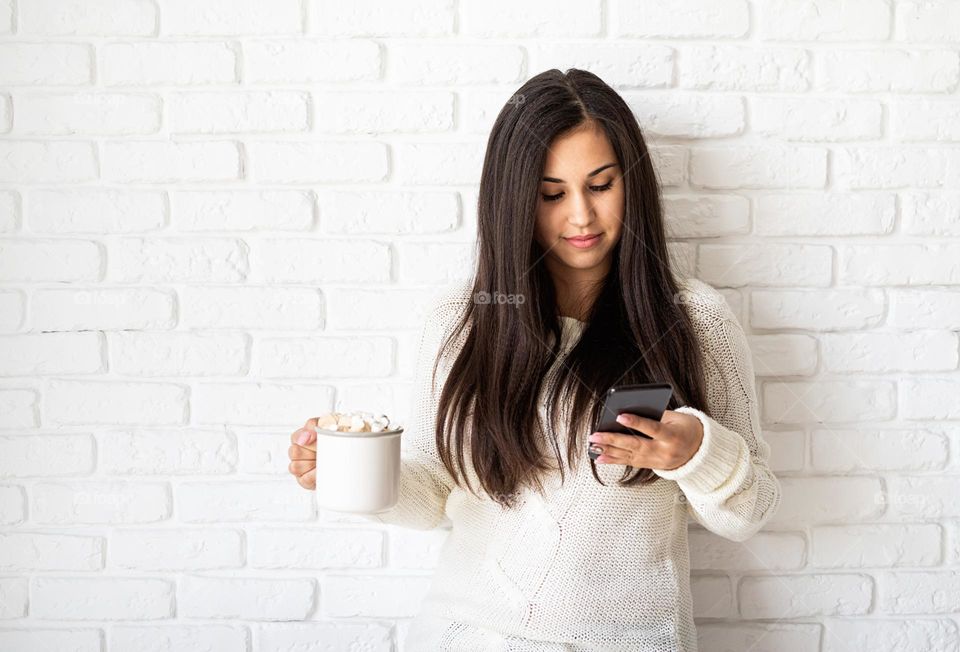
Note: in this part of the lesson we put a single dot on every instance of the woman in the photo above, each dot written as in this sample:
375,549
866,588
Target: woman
543,555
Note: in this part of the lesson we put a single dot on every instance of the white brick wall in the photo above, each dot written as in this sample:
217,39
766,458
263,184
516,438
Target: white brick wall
209,207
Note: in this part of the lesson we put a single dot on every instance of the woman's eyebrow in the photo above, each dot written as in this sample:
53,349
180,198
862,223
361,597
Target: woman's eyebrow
595,172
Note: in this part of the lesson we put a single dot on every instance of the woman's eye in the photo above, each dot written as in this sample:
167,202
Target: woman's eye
605,186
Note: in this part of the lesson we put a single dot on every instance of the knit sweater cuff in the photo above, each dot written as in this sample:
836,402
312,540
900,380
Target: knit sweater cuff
722,451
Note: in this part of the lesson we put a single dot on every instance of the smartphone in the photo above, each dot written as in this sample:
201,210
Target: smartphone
645,400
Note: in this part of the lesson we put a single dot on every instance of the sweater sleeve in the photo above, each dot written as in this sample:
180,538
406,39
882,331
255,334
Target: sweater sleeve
728,484
425,483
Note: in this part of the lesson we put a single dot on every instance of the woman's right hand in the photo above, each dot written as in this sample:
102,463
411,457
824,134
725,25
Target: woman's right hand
303,455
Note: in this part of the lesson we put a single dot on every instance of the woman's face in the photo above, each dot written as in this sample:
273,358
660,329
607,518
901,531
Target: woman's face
581,193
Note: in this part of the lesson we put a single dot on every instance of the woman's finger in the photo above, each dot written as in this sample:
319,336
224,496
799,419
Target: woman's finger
308,480
299,467
300,453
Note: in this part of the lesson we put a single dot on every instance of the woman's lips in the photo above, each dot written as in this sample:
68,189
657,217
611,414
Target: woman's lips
584,243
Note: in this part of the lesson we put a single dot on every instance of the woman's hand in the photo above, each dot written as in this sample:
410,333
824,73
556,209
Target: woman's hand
676,438
303,455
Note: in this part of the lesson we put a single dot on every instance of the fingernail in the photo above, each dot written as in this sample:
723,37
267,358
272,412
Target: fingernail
304,436
621,418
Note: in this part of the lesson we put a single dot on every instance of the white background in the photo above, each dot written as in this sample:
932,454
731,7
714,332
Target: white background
222,217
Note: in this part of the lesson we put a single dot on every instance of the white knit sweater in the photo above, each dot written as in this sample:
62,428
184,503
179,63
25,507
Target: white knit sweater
592,567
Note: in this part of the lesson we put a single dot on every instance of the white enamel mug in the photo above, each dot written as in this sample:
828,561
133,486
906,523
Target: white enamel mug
358,471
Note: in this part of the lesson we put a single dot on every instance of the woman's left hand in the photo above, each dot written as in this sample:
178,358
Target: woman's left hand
676,438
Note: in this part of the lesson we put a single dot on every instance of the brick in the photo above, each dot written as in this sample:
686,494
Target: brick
828,500
107,502
178,549
315,549
828,400
12,310
251,308
46,64
930,213
868,450
883,167
699,216
163,162
19,408
23,456
821,310
95,210
175,63
102,598
269,599
177,260
411,63
888,352
876,545
179,354
241,210
829,214
167,452
29,162
731,67
923,308
42,551
766,551
258,403
434,262
80,402
367,18
887,70
828,20
13,597
308,61
426,163
365,112
758,166
325,357
12,505
238,112
228,17
736,265
371,596
924,120
51,353
35,638
928,21
929,398
78,18
207,502
889,635
322,261
816,119
65,261
102,309
632,64
684,19
87,113
783,355
688,115
306,162
902,264
793,596
390,212
919,592
179,638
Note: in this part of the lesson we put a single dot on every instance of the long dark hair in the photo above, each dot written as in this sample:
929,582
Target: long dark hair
637,330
